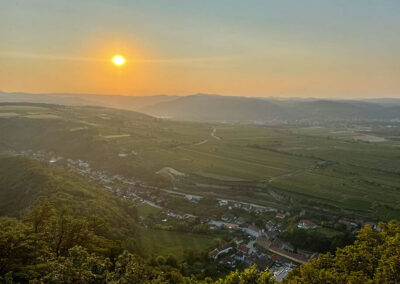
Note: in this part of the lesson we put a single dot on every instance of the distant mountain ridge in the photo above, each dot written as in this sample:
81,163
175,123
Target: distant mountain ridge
260,110
207,107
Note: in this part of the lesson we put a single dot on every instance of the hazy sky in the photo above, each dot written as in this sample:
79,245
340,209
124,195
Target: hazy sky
338,48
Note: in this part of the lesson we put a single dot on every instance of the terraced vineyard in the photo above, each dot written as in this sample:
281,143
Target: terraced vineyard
322,168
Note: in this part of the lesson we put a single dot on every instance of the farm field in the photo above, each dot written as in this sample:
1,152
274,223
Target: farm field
160,242
145,210
266,165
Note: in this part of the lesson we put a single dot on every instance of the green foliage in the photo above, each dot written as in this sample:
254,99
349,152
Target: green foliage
46,237
78,266
374,258
317,240
60,248
172,261
248,276
24,182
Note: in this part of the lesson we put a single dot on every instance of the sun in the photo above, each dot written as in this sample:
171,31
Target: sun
118,60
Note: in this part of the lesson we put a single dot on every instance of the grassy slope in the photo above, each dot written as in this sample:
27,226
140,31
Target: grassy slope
158,242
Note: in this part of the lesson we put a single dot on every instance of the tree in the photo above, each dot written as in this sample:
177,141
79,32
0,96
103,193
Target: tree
160,260
373,258
77,267
248,276
20,249
172,261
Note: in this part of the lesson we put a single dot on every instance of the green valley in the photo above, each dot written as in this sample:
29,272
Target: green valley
325,168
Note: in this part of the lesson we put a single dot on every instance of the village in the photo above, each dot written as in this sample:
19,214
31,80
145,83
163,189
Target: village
249,244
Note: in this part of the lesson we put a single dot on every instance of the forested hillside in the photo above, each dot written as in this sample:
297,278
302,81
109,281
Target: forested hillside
26,182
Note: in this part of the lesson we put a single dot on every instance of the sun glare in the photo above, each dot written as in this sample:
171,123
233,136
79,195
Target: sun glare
118,60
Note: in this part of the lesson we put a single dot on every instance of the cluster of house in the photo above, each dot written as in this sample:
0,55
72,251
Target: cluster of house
192,198
139,191
232,254
272,254
176,214
306,224
230,204
263,248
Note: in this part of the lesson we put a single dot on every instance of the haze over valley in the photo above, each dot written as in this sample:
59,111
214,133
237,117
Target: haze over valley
217,108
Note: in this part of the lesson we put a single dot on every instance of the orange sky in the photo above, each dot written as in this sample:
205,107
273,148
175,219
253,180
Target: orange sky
285,50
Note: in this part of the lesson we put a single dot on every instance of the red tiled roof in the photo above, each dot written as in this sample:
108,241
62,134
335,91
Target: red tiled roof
214,252
244,249
263,242
308,223
289,255
276,257
254,228
225,246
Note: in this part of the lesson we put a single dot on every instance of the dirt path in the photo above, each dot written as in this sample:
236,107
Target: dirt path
201,142
213,134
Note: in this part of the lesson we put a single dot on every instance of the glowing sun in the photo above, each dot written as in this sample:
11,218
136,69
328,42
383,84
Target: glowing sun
118,60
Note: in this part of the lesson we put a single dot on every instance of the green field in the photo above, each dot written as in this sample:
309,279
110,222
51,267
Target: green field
321,168
160,242
145,210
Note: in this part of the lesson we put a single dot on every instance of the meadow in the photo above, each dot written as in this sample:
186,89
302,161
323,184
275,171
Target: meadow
161,242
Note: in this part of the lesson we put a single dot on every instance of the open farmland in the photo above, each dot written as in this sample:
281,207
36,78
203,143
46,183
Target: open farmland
322,168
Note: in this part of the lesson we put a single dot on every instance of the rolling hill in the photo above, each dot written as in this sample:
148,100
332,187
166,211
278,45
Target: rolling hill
115,101
217,108
240,109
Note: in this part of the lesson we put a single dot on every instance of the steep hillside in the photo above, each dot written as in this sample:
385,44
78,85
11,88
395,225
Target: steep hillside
24,182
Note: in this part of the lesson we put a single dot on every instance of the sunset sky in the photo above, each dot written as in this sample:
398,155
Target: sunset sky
341,48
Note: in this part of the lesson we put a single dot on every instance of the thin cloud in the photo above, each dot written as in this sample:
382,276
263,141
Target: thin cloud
95,59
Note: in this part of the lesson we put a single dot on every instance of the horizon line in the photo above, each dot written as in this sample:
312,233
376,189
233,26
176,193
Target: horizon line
200,93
